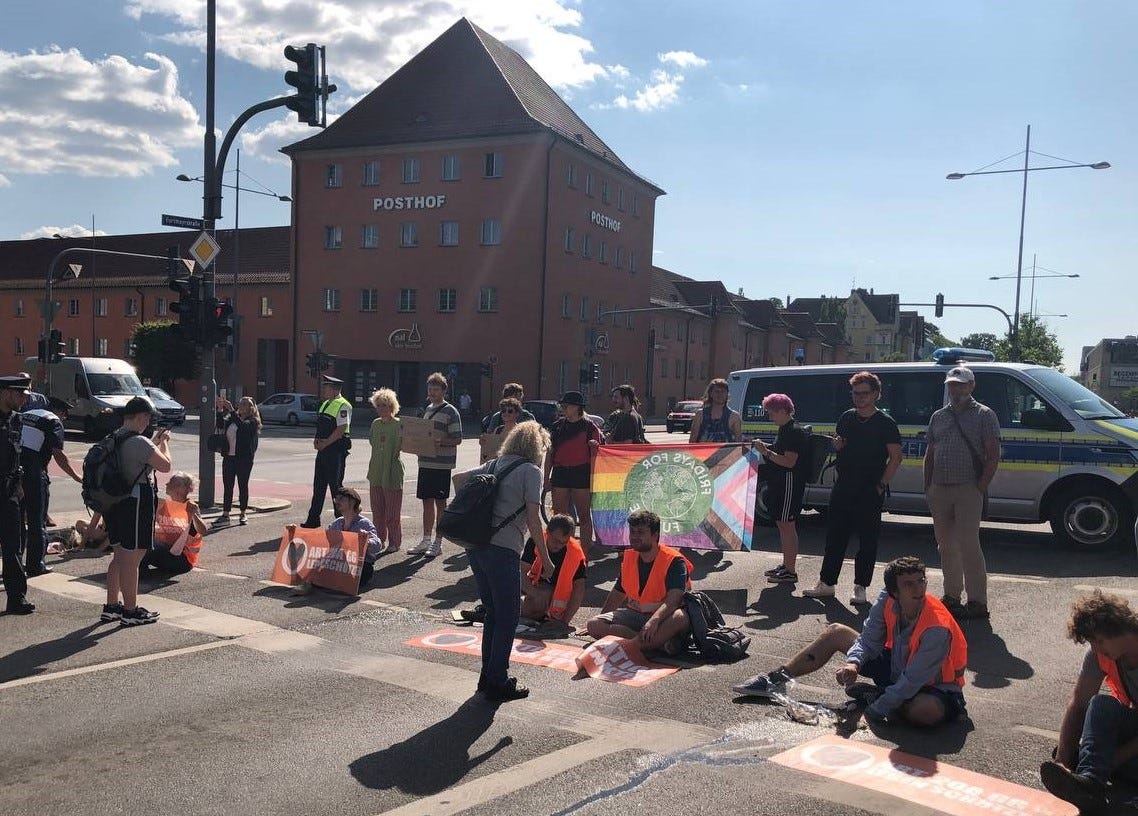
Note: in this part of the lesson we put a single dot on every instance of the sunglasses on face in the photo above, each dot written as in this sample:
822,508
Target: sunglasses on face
862,393
509,410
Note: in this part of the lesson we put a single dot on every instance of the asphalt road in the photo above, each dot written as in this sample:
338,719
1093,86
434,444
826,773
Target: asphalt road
247,699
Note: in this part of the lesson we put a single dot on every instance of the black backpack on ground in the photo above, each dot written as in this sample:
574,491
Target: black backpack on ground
469,518
104,483
711,637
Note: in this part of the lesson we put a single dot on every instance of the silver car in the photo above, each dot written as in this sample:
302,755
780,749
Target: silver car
170,410
290,409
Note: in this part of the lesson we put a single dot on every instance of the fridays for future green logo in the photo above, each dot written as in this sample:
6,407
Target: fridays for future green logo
675,485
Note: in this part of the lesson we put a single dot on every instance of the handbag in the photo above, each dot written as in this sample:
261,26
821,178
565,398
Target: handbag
218,443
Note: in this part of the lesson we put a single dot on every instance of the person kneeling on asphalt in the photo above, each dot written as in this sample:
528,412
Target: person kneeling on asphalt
911,648
557,598
1098,740
347,502
647,601
177,535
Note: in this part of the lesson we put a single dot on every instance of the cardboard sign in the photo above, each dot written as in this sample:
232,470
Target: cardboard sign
419,436
925,782
326,559
620,660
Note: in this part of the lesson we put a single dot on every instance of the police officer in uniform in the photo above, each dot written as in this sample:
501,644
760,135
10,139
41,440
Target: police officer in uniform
40,441
13,395
332,442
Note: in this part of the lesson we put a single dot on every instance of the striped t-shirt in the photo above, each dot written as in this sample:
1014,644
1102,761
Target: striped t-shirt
449,422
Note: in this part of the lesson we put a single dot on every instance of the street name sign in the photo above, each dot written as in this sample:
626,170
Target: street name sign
183,221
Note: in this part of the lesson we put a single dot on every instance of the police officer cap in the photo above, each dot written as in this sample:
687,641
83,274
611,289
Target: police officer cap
332,380
16,382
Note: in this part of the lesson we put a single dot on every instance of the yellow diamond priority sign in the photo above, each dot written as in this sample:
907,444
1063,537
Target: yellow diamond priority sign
204,249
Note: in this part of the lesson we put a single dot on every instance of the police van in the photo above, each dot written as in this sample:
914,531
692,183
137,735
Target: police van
1068,457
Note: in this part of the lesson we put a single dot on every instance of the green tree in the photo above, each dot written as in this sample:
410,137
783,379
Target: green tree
777,302
1129,400
980,340
934,336
162,354
1037,343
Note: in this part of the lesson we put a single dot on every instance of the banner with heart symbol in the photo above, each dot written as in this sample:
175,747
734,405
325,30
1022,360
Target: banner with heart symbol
324,558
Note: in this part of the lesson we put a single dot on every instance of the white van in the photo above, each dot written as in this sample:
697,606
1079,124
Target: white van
1068,456
93,389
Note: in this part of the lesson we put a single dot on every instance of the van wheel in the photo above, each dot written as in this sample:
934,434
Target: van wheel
292,419
1090,516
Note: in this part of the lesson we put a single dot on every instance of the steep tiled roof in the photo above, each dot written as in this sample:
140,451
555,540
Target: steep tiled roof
700,293
760,313
882,307
832,334
801,324
812,306
666,288
465,84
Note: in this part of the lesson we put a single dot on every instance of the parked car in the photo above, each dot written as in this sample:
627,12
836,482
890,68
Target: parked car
170,410
547,412
290,409
679,418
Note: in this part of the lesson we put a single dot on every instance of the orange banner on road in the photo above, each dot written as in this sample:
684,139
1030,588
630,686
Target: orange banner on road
926,782
326,559
620,660
538,653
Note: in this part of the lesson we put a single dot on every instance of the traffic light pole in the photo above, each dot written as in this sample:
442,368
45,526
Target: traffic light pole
944,305
210,212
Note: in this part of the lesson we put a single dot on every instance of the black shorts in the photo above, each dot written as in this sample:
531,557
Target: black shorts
881,667
130,523
574,477
433,484
784,497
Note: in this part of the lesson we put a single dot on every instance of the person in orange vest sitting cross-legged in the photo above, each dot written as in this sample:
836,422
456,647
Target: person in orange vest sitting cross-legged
557,598
911,648
178,530
647,601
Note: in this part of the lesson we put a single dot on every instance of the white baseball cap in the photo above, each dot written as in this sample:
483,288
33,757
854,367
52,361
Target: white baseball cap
960,374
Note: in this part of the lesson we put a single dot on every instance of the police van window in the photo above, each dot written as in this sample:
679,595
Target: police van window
818,398
911,398
1007,396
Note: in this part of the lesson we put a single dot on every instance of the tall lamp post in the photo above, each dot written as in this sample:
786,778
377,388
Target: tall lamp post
1051,273
1102,165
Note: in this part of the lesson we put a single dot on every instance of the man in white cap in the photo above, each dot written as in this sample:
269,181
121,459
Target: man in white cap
961,458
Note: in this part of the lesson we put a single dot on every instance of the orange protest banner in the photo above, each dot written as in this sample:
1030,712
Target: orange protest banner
926,782
327,559
620,660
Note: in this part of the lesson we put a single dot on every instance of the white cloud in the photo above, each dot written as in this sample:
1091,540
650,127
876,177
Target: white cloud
682,59
663,86
74,231
617,71
63,113
5,181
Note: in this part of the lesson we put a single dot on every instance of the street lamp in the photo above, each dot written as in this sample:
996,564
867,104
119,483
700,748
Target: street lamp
1102,165
1034,274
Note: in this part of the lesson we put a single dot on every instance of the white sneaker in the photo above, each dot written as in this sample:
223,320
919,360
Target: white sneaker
820,590
420,548
859,596
435,549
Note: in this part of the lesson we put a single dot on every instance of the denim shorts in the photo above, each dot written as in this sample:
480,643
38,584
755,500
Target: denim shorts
880,668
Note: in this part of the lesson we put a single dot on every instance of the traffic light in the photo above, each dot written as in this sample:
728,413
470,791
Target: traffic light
595,372
217,328
56,348
487,370
188,306
940,305
311,83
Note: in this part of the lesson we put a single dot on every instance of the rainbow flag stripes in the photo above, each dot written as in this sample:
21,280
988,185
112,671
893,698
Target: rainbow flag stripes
704,494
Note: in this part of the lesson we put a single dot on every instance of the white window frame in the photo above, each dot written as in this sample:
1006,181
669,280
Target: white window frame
487,298
491,232
73,307
571,176
411,170
566,305
100,307
265,308
448,300
408,301
452,168
369,236
330,299
369,300
130,307
161,307
334,176
370,173
448,233
102,346
492,165
333,237
409,234
570,239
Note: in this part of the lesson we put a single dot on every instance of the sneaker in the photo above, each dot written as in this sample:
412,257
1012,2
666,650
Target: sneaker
111,612
420,548
310,525
435,549
137,616
783,576
859,598
820,590
1080,790
510,690
864,693
763,685
222,521
241,520
772,570
973,610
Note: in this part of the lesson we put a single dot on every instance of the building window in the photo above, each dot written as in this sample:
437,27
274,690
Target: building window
74,346
488,299
73,307
667,331
407,298
130,307
101,346
563,377
620,198
491,232
160,307
679,373
334,176
572,177
100,307
410,171
566,305
448,233
452,170
493,165
331,299
628,318
588,183
587,246
369,300
20,307
605,197
569,239
663,368
369,236
128,349
584,307
333,237
448,300
600,311
703,370
635,204
371,173
19,347
266,309
409,234
631,260
618,257
603,254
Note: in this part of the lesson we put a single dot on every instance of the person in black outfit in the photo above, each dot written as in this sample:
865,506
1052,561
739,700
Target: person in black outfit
869,452
785,470
242,429
13,394
41,440
624,425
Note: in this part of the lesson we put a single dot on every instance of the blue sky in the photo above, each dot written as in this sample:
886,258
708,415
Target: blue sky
803,145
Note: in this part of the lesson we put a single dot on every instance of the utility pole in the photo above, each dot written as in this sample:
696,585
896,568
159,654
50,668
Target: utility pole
211,200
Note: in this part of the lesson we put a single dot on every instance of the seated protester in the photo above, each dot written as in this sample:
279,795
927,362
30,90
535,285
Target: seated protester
557,598
178,530
1098,740
93,533
348,503
647,601
911,648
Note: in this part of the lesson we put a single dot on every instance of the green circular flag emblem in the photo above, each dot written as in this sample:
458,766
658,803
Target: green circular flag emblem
675,485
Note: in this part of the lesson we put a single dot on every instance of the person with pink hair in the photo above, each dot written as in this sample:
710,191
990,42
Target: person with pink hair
784,469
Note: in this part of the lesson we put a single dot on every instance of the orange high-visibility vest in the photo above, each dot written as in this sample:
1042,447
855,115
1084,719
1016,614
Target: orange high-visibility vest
171,519
1114,682
574,558
934,613
651,597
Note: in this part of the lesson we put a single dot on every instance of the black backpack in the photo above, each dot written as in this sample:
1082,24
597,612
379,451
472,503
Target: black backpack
711,637
104,483
469,518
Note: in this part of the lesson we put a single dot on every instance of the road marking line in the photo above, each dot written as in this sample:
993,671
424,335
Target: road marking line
114,664
1105,590
1038,732
231,575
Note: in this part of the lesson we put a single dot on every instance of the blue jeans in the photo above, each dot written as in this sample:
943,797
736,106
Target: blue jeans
496,573
1107,725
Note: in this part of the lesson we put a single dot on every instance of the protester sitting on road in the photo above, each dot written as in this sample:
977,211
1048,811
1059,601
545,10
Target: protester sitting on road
93,533
911,648
178,530
647,601
1098,740
559,597
348,503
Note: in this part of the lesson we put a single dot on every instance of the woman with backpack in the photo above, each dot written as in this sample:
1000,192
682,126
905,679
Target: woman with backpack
242,428
716,422
569,463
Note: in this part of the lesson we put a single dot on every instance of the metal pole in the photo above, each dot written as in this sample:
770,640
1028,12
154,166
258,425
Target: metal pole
1019,257
236,268
208,383
1032,304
